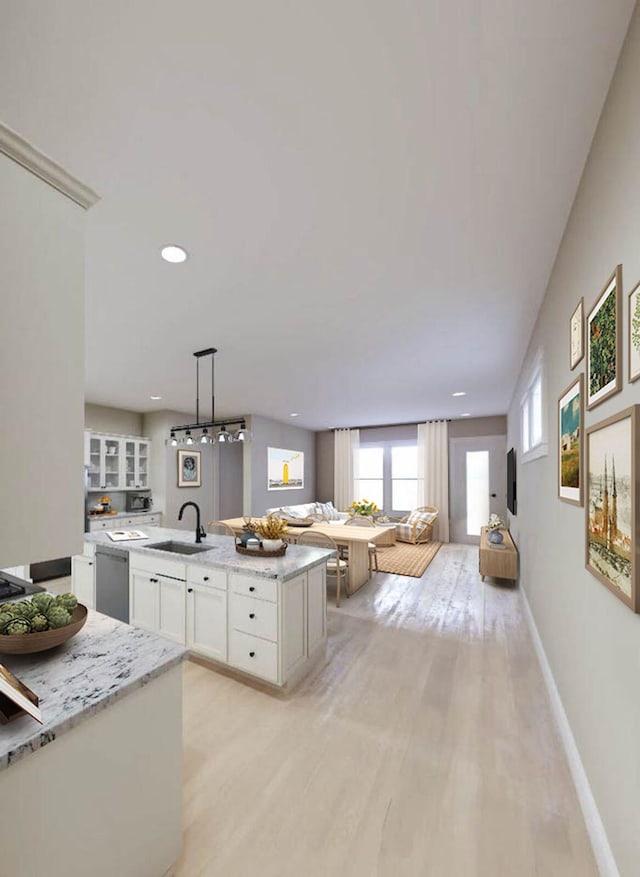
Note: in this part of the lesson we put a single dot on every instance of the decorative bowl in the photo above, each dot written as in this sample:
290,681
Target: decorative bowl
29,643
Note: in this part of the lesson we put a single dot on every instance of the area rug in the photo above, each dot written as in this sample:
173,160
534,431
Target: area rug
404,559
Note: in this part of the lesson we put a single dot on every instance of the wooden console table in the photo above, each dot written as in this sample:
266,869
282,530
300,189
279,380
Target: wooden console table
501,563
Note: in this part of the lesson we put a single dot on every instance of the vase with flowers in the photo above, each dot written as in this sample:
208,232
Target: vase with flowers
271,530
493,527
364,507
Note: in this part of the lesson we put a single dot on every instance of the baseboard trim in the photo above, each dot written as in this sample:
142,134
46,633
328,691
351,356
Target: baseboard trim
595,827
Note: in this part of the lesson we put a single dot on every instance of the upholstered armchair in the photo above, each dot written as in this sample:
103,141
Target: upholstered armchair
417,526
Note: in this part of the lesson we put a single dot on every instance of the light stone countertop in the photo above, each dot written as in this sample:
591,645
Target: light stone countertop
222,553
102,663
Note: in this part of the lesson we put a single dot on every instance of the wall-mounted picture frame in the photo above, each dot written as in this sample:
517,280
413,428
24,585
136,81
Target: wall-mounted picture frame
634,334
285,469
576,335
570,442
604,342
189,469
612,504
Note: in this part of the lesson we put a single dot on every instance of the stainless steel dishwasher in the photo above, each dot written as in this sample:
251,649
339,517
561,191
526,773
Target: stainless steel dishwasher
112,582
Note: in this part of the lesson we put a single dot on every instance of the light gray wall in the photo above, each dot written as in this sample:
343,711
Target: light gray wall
591,639
469,427
102,418
167,496
273,434
41,369
230,470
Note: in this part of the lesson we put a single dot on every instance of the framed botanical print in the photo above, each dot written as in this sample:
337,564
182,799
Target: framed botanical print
189,469
576,335
604,342
612,504
634,334
570,435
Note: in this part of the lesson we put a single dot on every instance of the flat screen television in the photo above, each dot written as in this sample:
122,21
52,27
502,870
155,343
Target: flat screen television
512,500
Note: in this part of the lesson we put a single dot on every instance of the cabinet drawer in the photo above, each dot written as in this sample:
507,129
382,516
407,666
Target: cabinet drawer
253,586
254,655
205,575
257,617
160,565
101,525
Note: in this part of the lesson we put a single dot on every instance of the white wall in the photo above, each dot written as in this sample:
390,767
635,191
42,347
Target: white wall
41,369
591,639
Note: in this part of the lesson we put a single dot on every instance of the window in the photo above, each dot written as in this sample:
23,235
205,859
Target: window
388,475
532,414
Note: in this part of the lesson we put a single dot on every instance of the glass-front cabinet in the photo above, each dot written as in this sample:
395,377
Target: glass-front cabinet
136,459
117,462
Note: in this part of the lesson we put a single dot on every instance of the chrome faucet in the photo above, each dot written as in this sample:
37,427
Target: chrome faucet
200,533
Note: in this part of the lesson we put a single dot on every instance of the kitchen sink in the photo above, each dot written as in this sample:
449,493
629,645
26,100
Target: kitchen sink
180,547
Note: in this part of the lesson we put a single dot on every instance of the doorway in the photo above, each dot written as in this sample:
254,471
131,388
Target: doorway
478,484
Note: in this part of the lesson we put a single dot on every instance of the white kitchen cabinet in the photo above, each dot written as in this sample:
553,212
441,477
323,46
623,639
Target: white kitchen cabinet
172,609
117,462
144,600
105,462
136,464
268,628
316,607
207,621
83,580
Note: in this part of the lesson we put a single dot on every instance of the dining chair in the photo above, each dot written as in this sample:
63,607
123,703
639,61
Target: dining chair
219,528
336,566
365,521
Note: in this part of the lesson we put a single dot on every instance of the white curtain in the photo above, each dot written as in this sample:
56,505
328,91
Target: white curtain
346,444
433,473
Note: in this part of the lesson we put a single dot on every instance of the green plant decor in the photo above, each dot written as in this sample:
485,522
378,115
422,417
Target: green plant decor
602,352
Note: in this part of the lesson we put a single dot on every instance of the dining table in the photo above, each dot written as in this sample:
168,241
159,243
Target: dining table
355,538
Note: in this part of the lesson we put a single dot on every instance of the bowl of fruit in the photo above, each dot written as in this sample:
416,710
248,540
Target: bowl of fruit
38,624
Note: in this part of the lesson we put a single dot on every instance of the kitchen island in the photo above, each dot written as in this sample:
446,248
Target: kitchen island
97,788
260,616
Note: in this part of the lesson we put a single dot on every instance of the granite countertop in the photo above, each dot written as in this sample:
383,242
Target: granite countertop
102,663
222,553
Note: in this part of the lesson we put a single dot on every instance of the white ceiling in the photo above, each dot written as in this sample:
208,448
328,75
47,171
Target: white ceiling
372,193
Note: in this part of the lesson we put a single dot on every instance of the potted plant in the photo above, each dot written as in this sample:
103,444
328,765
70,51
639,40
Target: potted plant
363,507
271,530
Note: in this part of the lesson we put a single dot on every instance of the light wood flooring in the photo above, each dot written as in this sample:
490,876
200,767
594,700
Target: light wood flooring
421,746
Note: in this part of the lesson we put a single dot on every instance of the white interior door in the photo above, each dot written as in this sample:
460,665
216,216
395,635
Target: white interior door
478,484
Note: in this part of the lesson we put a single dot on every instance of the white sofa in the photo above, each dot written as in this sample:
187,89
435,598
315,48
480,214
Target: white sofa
308,508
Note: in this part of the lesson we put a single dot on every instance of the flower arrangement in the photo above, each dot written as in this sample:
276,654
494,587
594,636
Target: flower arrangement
495,523
362,507
271,527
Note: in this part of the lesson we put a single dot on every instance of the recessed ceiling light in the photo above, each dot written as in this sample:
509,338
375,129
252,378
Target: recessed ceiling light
173,253
459,393
294,414
155,398
465,415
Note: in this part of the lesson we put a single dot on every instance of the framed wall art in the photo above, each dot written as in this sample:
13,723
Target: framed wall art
604,342
285,469
634,334
612,504
576,335
189,469
570,441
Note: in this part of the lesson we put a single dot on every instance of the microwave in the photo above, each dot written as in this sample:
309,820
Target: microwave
139,501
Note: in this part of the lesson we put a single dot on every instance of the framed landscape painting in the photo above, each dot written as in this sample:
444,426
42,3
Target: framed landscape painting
570,430
285,469
604,342
634,333
612,504
189,469
576,335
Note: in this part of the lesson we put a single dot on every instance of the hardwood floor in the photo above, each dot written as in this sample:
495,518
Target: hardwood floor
422,746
